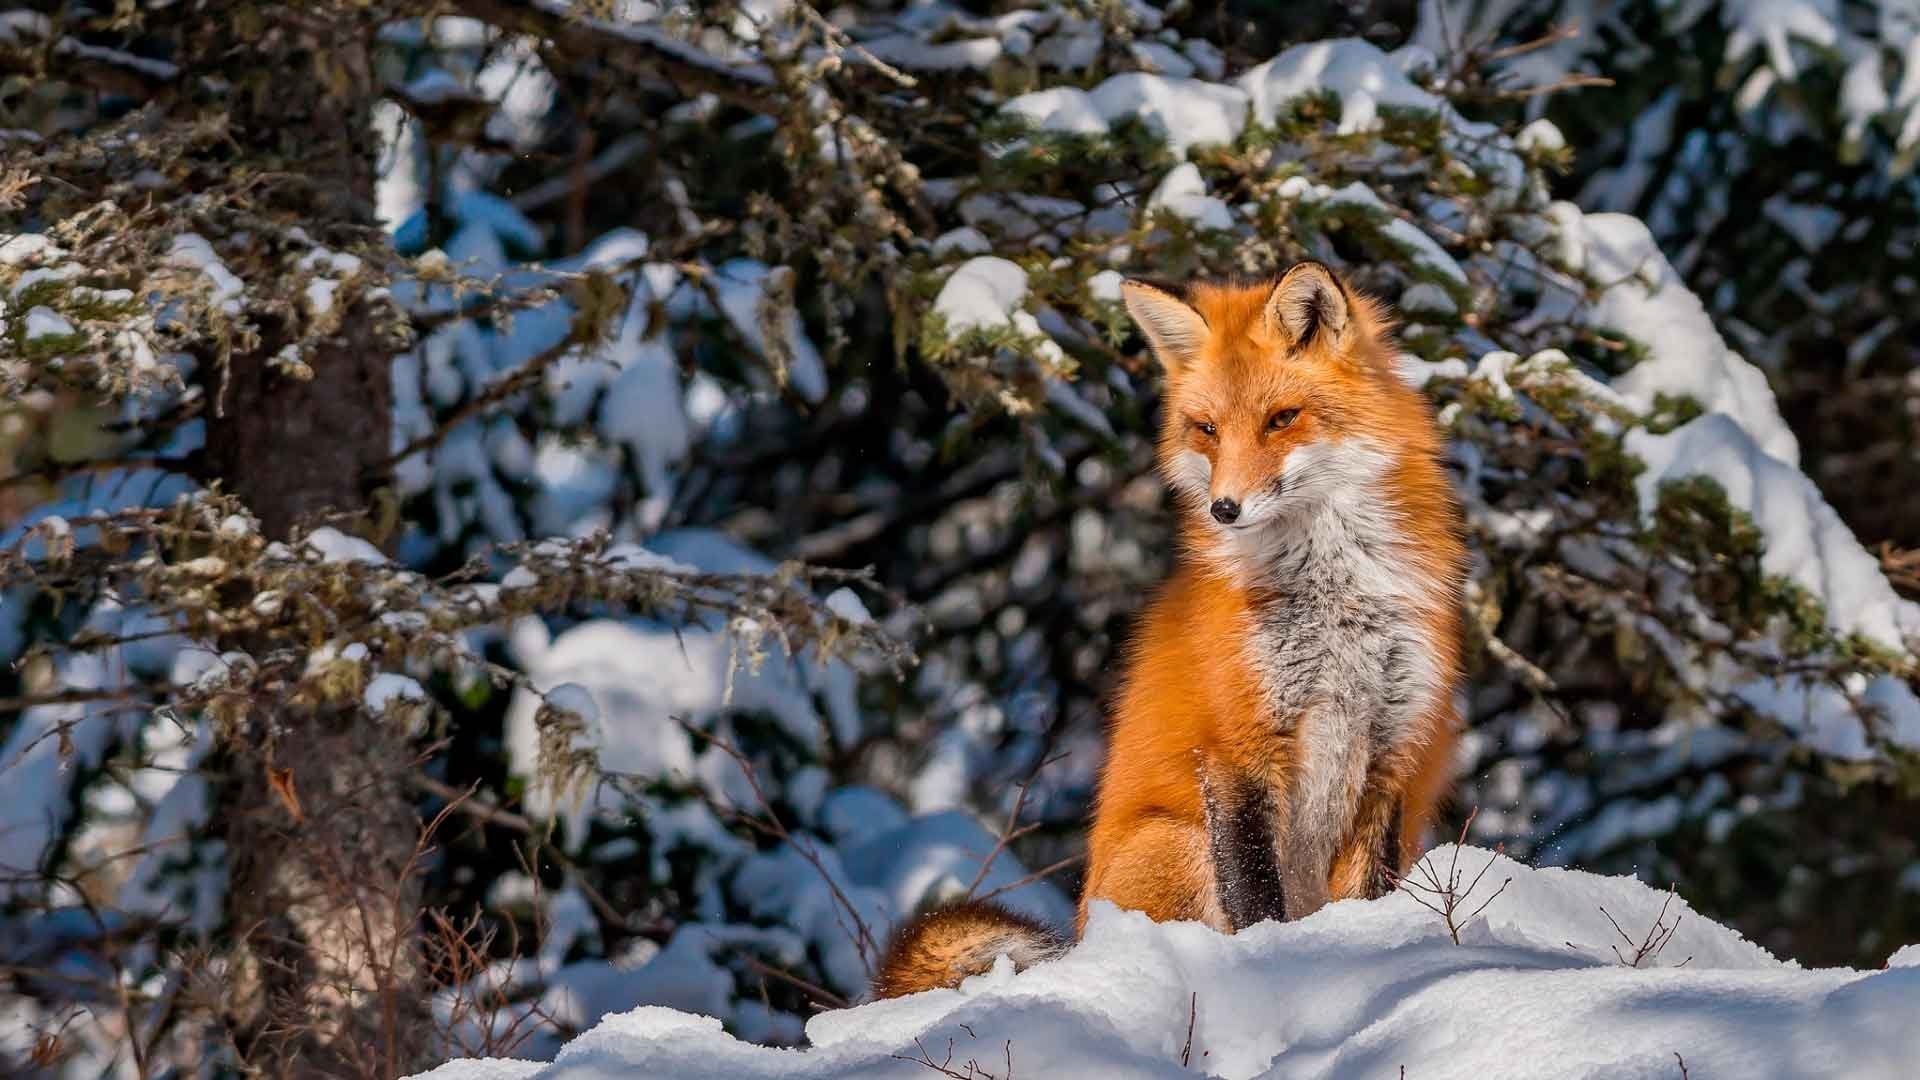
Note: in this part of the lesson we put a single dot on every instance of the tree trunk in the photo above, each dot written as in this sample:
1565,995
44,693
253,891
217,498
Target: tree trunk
325,977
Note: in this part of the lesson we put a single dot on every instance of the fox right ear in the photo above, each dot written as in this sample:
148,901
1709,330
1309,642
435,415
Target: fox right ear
1308,302
1173,329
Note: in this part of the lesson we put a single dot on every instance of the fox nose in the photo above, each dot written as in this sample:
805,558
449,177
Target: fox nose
1226,511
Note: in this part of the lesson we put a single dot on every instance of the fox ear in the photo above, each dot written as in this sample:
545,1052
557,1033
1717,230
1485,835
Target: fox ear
1172,327
1308,303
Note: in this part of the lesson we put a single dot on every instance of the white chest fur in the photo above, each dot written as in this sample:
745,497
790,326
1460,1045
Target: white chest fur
1346,666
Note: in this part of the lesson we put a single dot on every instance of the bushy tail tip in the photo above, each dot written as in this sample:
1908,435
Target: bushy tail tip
946,945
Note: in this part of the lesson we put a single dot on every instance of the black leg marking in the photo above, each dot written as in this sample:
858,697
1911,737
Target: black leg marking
1386,866
1242,835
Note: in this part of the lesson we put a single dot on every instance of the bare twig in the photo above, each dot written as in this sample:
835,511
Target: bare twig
1193,1013
1012,830
823,996
1041,874
467,802
1650,943
497,392
837,40
1571,82
769,824
1446,897
973,1068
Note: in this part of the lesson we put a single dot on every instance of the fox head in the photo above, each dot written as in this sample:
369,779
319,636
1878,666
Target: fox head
1280,396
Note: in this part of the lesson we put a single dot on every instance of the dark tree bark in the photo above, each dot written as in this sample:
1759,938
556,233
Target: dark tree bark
325,977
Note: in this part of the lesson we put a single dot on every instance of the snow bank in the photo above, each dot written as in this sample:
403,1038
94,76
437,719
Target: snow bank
1534,987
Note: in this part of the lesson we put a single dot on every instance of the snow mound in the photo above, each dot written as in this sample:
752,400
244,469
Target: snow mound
1360,988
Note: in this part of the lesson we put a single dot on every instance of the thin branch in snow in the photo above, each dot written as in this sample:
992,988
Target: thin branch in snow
822,997
837,40
1193,1013
1445,898
1650,943
974,1070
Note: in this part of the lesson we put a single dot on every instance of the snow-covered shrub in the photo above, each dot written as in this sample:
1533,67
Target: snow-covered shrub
1769,146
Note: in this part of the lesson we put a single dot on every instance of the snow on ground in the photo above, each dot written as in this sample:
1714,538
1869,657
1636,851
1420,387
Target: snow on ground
1534,988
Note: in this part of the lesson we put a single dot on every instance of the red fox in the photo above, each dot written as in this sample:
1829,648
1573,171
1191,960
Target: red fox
1285,726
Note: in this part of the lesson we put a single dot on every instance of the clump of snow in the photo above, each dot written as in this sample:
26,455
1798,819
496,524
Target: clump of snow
21,247
1541,135
1806,542
1645,299
1774,24
1357,198
1360,988
1426,298
192,251
910,52
388,687
1161,59
1183,193
44,322
983,293
1105,285
965,240
1184,112
1364,78
332,545
844,603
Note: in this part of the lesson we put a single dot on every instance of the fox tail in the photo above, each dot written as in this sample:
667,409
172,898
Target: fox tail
946,945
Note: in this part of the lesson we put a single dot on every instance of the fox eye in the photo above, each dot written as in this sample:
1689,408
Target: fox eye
1283,418
1206,428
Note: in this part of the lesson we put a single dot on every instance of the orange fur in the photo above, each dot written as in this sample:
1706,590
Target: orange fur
949,944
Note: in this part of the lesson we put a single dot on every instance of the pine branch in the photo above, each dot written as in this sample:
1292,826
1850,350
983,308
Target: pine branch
637,50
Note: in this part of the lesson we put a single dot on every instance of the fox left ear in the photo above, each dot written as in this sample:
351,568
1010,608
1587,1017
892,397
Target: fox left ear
1308,303
1171,325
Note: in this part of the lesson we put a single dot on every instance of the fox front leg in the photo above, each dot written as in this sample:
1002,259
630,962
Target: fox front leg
1370,863
1243,832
